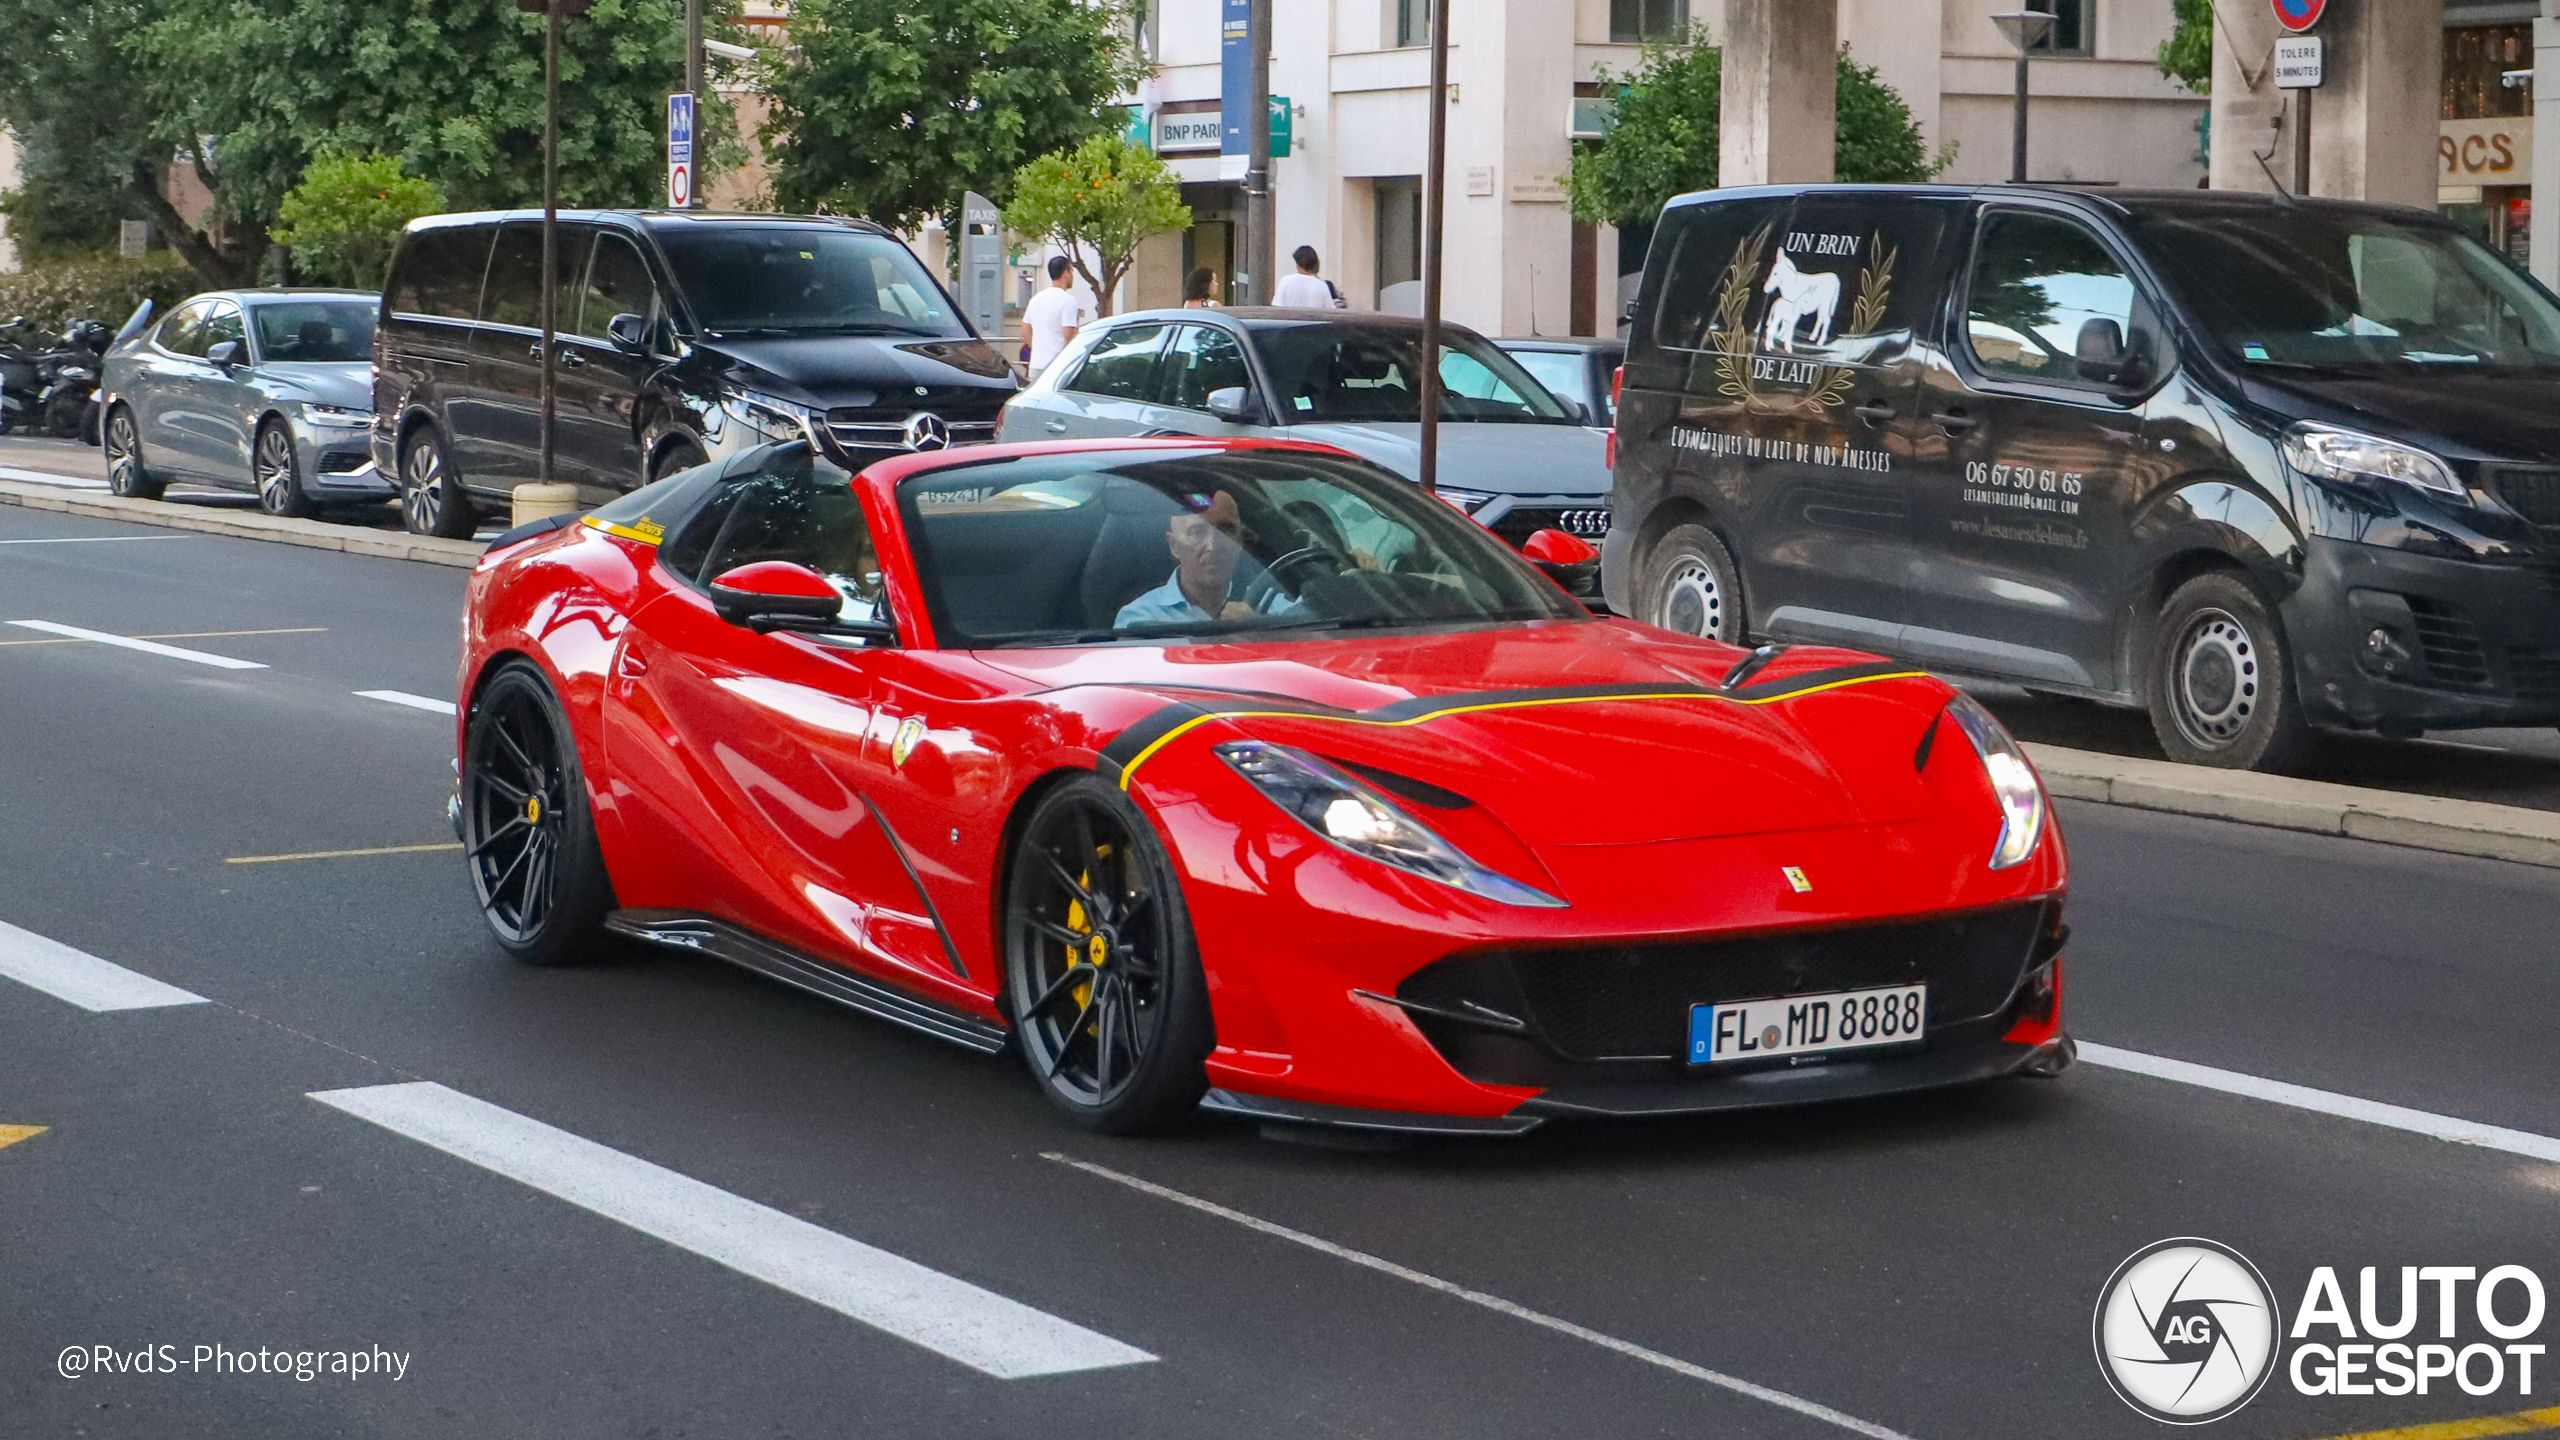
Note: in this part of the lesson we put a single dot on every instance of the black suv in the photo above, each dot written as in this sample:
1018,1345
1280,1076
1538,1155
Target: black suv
684,337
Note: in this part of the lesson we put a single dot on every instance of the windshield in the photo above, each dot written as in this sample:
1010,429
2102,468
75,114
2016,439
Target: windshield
334,332
775,280
2342,290
1360,373
1099,547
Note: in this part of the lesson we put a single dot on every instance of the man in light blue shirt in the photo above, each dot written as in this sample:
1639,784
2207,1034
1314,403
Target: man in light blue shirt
1205,553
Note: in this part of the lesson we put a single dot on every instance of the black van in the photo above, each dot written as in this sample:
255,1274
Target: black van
2256,463
684,337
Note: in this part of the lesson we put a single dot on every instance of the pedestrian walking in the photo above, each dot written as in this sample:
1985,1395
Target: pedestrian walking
1051,319
1197,290
1306,290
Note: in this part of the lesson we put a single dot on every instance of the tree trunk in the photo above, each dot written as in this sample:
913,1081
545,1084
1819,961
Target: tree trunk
220,266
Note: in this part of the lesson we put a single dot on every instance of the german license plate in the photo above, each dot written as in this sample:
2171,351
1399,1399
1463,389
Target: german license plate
1806,1024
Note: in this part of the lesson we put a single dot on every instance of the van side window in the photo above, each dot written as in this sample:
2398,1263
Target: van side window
1705,242
2039,284
440,272
513,295
617,284
1122,364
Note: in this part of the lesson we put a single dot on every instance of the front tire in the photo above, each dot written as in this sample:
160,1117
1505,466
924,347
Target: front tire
278,473
1690,586
432,500
127,476
2221,683
676,459
1102,977
528,834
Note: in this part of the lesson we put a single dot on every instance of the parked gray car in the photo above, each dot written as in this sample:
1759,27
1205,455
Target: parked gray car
1511,454
269,391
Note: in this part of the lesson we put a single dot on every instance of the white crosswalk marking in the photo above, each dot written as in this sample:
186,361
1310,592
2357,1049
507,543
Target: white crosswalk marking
82,978
147,647
414,702
976,1327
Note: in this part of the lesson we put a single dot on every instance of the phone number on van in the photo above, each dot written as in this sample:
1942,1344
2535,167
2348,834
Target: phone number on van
2022,487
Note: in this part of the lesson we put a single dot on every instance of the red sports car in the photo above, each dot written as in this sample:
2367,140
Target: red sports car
1243,775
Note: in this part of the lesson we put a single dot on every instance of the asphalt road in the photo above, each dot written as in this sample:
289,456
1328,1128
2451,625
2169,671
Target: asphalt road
1925,1265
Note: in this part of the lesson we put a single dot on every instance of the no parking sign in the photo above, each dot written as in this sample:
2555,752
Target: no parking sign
2299,15
679,151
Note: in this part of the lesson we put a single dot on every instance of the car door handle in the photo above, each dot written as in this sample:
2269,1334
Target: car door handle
1056,427
1954,421
1875,411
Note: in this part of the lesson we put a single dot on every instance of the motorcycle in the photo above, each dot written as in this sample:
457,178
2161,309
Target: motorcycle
67,403
22,382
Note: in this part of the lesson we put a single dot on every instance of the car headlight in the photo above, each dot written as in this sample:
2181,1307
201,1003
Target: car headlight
335,415
1357,818
1467,501
768,414
2325,452
2013,781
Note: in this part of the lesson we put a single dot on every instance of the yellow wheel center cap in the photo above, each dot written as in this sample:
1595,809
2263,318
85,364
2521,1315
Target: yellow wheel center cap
533,809
1096,948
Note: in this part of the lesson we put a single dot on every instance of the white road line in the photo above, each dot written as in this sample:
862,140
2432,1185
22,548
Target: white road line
82,978
414,702
147,647
92,539
2326,1102
1495,1303
976,1327
47,477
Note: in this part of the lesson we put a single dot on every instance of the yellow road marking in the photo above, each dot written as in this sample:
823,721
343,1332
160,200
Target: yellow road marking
1130,770
190,635
342,854
12,1134
2523,1422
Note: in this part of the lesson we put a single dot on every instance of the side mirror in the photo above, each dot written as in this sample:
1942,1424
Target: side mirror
225,355
2100,354
1568,560
767,595
1235,406
629,333
1580,412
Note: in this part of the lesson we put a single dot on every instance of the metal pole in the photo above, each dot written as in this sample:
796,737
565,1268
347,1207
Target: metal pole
2302,142
1435,186
693,84
1261,245
2018,127
550,229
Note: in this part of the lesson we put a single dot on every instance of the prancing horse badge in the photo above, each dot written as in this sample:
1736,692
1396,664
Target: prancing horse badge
910,730
1795,877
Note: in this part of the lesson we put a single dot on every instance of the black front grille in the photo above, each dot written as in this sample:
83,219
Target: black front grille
2531,493
1631,1002
1517,524
2536,674
2450,644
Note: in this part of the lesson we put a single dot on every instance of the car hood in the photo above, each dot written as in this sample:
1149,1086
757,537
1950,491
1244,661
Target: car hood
1596,733
2506,417
828,372
1474,455
348,384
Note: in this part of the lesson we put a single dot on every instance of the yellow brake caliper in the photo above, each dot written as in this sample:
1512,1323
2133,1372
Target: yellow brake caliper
1094,947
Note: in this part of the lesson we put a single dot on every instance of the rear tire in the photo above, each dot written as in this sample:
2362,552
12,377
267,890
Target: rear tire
126,474
2221,679
278,473
432,500
1102,976
528,833
1689,585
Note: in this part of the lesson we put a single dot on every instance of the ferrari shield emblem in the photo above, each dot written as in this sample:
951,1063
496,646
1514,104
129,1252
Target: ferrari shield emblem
910,730
1795,877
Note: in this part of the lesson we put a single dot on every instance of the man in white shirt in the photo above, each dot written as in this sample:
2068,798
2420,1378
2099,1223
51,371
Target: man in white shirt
1304,291
1050,319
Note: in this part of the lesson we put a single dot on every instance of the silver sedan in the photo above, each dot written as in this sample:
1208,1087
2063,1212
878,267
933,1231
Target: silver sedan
269,391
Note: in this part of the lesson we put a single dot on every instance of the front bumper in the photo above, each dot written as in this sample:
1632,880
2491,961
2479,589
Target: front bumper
338,462
2462,643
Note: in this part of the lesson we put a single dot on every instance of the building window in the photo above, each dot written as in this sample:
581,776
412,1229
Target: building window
1413,22
1633,22
2488,72
2075,29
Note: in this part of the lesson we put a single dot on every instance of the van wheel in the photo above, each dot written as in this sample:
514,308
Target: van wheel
1690,585
676,459
2221,683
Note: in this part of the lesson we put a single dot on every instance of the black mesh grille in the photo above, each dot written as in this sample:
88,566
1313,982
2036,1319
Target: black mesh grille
2452,647
1633,1001
340,462
2533,494
2536,674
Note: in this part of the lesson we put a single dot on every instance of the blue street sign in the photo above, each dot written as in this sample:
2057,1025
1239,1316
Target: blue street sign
679,128
1235,81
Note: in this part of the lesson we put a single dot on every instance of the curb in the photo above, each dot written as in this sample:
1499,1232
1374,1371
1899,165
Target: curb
2317,807
311,534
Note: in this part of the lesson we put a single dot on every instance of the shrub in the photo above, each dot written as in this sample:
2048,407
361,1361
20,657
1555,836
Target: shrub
344,218
106,290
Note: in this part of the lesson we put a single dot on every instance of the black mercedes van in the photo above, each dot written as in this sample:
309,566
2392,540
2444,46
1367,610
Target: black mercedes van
2258,464
684,336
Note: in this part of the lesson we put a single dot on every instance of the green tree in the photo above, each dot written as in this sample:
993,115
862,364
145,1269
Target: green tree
1668,125
1107,196
344,218
891,108
2187,55
88,155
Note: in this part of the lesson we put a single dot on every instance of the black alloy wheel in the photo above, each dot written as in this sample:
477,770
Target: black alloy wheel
275,468
432,501
528,835
1109,1006
1690,585
126,474
2221,684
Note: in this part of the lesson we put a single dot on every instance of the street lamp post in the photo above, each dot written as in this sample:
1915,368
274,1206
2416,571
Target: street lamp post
553,12
1435,185
2024,29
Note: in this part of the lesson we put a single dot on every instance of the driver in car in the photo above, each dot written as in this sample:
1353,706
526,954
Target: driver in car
1205,555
